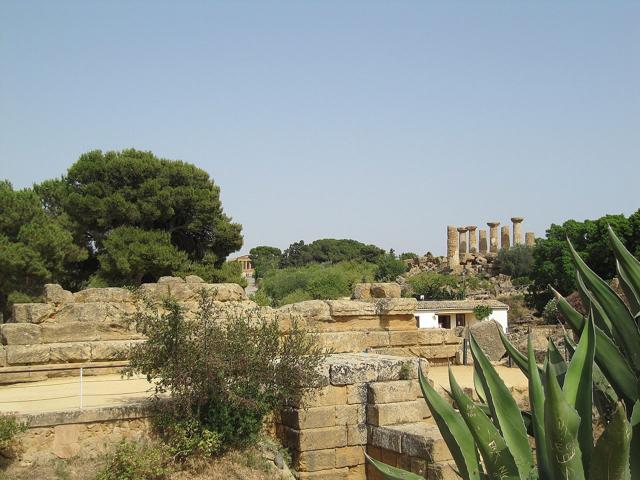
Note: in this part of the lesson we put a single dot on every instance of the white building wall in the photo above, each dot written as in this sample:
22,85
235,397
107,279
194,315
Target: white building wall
429,318
500,316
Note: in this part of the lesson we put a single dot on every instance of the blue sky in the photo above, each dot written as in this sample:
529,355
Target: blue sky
379,121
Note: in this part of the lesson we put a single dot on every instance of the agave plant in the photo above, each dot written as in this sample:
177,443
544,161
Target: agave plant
490,440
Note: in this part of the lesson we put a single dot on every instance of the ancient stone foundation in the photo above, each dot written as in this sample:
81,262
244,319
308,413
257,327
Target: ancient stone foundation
96,327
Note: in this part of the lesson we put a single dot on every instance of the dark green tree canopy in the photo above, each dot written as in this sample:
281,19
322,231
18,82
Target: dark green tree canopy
552,260
264,258
103,191
330,250
516,261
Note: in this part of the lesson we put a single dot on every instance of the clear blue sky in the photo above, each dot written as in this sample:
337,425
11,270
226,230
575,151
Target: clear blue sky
379,121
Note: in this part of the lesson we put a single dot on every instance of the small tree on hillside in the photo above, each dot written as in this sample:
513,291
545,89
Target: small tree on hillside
482,312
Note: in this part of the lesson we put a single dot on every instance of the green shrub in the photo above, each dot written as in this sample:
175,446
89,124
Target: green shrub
389,268
482,312
185,437
226,369
9,428
516,261
434,286
320,282
135,461
550,312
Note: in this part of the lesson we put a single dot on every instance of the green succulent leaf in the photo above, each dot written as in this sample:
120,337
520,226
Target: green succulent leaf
536,398
561,425
635,441
498,461
611,453
519,359
392,473
556,362
629,264
627,288
626,329
600,317
504,411
454,431
578,388
608,356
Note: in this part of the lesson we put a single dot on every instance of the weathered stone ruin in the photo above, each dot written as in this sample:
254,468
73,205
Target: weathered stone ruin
463,250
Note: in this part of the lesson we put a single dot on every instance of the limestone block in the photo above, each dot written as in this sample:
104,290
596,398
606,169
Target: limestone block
397,306
357,393
343,342
27,354
443,471
315,439
109,351
409,337
432,336
314,460
350,414
358,472
70,352
419,466
20,334
351,308
316,417
396,413
69,332
170,280
110,294
357,434
392,392
362,291
393,368
333,474
82,312
349,456
488,337
225,292
193,279
350,370
66,440
54,293
3,356
32,312
398,322
385,438
368,291
154,291
377,339
310,310
326,396
441,351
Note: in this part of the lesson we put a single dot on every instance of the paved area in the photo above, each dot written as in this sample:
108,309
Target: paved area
64,393
512,377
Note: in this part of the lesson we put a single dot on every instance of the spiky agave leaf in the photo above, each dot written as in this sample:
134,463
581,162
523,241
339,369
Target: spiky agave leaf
561,427
454,431
392,473
635,441
498,461
609,358
629,264
505,412
578,388
611,453
536,399
556,362
621,319
519,359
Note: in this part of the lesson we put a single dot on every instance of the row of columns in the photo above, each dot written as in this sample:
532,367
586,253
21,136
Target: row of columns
463,240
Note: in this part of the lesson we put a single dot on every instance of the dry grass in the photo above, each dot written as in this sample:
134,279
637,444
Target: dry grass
249,464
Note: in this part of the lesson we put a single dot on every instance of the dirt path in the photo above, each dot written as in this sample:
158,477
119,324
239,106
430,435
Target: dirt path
64,393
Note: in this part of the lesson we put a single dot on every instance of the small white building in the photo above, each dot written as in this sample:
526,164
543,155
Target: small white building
457,313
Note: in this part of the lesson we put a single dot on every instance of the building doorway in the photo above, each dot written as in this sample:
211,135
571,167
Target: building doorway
461,320
444,321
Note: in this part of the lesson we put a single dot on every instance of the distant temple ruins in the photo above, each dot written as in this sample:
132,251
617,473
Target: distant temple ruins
464,246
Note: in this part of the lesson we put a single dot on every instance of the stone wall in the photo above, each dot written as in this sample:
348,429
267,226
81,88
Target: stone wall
96,326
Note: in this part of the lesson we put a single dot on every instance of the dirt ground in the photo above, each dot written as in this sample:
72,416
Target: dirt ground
512,377
238,465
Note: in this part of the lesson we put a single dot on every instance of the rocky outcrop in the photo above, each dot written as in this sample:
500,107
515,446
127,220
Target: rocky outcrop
488,337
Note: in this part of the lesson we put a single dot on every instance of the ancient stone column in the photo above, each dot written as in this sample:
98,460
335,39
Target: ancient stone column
473,239
504,237
517,230
493,236
530,239
463,242
453,256
483,241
